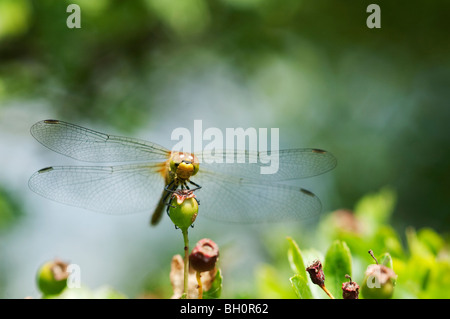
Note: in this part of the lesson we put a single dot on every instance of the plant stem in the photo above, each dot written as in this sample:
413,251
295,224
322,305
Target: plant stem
327,292
186,262
373,256
200,286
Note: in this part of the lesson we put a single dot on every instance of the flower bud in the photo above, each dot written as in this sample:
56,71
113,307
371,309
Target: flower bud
204,255
350,289
52,277
183,208
316,273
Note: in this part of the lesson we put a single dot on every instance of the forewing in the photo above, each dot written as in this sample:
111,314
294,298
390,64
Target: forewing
91,146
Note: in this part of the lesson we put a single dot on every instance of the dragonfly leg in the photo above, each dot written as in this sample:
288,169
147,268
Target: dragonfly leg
169,192
196,185
168,207
169,187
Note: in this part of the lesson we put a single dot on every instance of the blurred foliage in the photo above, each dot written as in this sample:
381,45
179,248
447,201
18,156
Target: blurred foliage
83,292
10,210
422,268
10,213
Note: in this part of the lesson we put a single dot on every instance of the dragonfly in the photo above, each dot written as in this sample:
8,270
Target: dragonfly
133,175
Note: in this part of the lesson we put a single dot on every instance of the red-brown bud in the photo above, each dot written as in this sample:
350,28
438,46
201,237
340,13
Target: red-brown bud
316,273
350,289
204,255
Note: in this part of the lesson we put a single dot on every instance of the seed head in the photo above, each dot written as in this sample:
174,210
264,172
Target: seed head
316,273
204,255
350,289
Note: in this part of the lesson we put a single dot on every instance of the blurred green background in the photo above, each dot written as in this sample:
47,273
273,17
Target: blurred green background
378,99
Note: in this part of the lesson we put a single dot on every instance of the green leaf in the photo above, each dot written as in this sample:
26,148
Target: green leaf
301,288
299,281
338,263
295,258
216,287
386,260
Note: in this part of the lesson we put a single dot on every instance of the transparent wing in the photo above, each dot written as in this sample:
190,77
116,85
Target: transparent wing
133,188
286,164
88,145
232,192
232,199
112,190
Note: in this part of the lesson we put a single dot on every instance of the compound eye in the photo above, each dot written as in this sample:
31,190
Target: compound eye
173,164
195,163
196,167
176,159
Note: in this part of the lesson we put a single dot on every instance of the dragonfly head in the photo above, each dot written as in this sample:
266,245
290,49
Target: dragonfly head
184,165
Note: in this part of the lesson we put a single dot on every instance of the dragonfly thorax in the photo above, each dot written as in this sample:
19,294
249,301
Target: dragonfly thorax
184,165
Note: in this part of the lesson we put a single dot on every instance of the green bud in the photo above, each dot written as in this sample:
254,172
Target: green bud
379,281
183,208
52,277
